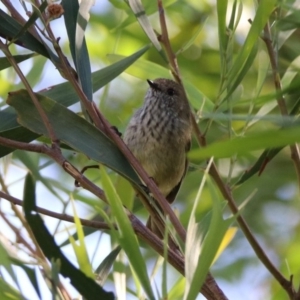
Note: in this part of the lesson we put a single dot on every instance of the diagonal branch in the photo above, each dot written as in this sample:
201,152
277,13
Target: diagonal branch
267,38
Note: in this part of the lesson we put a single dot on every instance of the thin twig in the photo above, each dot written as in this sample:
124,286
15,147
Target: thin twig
37,104
59,158
18,17
267,38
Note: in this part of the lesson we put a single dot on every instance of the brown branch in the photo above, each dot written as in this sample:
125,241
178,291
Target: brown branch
267,38
59,158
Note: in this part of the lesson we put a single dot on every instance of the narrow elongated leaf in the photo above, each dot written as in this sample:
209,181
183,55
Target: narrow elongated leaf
85,285
260,164
17,133
5,261
266,156
223,36
106,264
140,13
199,262
9,28
31,274
126,236
4,63
86,230
191,41
71,129
82,56
292,21
263,12
6,289
258,141
75,25
238,79
80,248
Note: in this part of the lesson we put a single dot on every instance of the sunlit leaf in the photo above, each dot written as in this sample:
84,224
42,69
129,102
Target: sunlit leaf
80,249
139,11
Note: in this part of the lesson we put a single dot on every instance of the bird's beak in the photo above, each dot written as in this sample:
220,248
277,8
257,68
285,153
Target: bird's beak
152,84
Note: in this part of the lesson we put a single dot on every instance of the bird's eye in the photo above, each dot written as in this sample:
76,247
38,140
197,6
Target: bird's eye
170,92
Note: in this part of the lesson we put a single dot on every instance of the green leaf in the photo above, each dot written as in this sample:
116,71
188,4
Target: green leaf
260,164
266,156
176,292
291,21
80,250
139,12
222,30
72,130
125,233
244,145
7,292
105,266
9,28
75,25
246,54
5,260
29,187
85,285
191,41
31,274
4,63
86,230
238,79
65,95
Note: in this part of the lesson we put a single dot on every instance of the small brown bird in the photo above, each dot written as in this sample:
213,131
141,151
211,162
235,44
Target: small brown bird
159,135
